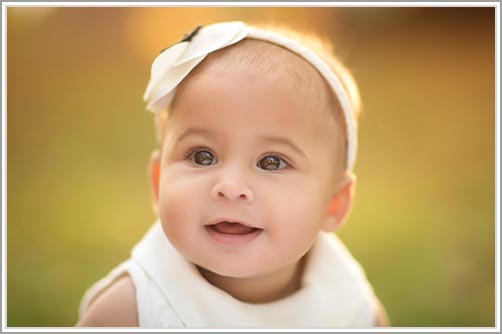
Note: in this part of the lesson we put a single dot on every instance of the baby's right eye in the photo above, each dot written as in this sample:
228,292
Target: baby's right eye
202,157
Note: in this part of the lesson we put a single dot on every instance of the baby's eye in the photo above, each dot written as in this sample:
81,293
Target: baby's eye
272,162
203,158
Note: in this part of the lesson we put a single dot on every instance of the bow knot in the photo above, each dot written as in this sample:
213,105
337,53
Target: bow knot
188,37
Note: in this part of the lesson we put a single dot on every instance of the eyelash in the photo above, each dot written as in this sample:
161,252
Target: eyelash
193,150
282,160
189,155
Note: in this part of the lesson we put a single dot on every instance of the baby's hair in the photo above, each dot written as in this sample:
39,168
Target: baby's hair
265,57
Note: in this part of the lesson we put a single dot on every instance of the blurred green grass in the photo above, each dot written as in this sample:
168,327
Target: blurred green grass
423,224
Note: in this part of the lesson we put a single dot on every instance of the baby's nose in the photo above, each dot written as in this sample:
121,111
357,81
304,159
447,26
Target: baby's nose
232,188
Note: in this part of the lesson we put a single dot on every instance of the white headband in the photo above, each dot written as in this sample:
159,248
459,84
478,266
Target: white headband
176,62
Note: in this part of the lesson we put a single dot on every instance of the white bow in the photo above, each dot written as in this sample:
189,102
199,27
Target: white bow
176,62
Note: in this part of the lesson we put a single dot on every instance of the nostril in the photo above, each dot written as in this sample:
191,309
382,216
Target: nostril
222,195
231,193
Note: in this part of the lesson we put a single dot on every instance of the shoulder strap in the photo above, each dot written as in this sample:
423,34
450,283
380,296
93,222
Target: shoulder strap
154,311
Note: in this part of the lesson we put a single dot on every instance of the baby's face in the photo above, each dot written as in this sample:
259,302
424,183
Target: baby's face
247,174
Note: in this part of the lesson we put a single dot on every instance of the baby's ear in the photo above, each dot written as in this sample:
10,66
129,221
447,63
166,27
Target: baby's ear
154,171
340,205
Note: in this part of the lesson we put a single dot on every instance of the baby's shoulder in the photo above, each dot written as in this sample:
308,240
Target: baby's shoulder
114,307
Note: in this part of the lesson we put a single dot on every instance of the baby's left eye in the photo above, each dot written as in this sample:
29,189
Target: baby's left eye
272,162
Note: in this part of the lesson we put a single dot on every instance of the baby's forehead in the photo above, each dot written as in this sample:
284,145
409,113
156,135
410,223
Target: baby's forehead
270,62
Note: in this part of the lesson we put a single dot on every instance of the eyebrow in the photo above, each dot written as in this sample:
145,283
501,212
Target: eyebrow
195,131
283,141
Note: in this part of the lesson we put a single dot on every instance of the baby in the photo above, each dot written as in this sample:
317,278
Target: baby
257,137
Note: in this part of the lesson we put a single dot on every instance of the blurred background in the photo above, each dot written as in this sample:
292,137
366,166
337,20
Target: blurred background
79,138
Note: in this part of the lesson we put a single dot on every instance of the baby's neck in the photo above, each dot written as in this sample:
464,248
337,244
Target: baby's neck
259,289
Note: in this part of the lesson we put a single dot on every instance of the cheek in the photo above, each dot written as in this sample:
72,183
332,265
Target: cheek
305,197
297,210
294,227
178,203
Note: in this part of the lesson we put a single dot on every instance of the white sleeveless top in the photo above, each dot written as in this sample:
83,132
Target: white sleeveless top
171,293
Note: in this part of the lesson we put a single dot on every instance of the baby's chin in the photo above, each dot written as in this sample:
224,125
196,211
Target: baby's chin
245,270
242,271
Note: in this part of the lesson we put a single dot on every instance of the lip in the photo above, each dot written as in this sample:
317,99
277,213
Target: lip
232,220
232,238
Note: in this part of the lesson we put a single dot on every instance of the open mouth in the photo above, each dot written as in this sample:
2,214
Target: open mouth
232,228
232,233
